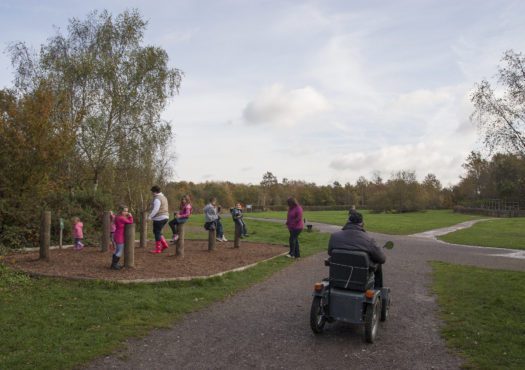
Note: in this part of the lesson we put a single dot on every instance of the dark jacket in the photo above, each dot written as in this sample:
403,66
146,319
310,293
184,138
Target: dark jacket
354,238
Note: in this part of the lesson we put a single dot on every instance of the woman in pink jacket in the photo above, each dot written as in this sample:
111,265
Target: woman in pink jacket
121,220
294,222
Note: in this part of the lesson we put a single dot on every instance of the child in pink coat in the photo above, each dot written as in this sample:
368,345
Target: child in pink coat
121,220
78,233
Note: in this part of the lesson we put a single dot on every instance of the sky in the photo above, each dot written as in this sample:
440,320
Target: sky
319,91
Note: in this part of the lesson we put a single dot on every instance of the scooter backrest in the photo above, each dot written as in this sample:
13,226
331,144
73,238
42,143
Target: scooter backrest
349,270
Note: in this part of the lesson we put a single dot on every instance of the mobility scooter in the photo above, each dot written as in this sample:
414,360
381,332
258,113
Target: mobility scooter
348,294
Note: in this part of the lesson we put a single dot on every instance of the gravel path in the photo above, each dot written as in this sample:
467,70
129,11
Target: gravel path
266,326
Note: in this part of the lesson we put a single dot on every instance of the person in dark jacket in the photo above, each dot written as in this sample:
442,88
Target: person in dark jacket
353,237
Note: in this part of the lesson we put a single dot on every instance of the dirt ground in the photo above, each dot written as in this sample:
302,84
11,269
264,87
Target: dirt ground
91,263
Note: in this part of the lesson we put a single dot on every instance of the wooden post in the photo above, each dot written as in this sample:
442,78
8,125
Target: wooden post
144,229
45,235
106,231
237,240
179,250
129,246
211,240
61,235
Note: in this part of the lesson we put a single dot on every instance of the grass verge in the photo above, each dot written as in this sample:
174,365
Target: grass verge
483,311
500,233
385,223
58,324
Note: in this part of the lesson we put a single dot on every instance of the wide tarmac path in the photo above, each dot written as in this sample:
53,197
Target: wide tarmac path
267,325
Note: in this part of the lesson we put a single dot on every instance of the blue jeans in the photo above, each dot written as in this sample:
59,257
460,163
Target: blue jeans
157,229
242,225
294,243
220,229
118,250
176,221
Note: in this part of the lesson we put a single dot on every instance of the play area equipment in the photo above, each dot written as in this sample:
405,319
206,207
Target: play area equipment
348,294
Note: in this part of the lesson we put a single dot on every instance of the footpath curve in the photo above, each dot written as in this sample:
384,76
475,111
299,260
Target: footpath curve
266,326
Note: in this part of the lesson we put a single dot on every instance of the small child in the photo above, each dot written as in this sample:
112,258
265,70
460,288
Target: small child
181,216
238,219
78,233
212,220
121,220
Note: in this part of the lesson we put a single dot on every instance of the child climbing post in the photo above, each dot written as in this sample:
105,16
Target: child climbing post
238,219
210,221
181,216
78,233
121,220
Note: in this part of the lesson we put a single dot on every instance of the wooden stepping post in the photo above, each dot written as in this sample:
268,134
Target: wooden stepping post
179,246
237,240
144,230
129,246
211,240
45,235
106,232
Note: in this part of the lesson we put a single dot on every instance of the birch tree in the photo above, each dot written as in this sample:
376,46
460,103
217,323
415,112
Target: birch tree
117,87
500,113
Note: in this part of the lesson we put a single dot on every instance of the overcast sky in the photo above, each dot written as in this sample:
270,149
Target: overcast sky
313,90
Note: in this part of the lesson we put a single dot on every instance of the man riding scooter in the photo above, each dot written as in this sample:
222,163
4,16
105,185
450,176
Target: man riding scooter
353,237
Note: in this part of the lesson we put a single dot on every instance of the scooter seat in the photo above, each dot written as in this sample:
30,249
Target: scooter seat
350,270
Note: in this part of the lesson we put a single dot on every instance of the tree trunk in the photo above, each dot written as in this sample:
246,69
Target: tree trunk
45,235
106,231
144,229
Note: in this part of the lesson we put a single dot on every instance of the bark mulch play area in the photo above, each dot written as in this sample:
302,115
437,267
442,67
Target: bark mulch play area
91,263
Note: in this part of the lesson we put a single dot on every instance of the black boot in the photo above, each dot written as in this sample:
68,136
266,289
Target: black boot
114,263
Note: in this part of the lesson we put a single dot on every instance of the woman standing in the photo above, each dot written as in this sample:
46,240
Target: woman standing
295,225
159,215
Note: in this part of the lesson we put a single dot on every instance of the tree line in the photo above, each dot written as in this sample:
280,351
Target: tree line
500,177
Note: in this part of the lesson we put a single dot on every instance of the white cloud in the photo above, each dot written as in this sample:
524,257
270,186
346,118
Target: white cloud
436,157
278,106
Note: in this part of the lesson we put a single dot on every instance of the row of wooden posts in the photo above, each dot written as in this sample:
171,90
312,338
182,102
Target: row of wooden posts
129,237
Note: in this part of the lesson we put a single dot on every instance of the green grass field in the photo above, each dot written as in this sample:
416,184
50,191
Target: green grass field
483,311
58,324
386,223
499,233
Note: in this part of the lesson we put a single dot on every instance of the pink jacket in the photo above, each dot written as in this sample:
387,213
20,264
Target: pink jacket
120,225
185,211
294,221
77,230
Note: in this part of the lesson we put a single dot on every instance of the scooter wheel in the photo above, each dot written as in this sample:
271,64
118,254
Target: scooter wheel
385,306
317,315
373,311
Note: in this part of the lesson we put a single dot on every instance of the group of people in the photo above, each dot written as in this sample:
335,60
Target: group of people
212,219
352,236
159,216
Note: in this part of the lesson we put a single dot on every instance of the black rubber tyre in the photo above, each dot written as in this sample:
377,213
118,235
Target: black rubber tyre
373,312
385,306
317,315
